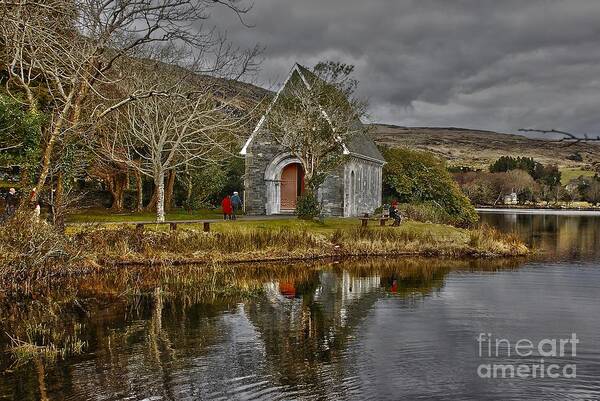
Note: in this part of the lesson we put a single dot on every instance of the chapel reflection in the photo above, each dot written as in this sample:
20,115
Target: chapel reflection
179,333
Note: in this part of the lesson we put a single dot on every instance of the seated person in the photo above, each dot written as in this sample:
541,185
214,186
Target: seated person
395,214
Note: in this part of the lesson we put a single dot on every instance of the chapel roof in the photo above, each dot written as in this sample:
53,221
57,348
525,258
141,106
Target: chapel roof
360,145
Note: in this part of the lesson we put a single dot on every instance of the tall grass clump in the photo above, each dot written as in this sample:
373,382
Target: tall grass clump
388,240
30,247
46,342
127,241
488,240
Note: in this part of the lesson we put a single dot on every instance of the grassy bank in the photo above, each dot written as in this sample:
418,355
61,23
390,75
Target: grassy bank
278,240
33,251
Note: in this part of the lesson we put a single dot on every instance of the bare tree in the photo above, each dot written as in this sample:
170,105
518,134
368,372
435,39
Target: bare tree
65,52
115,177
157,135
313,118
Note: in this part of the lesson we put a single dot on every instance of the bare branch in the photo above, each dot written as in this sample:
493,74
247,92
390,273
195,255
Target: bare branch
78,53
567,137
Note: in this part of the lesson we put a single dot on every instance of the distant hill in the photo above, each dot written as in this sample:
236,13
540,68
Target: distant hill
476,148
459,146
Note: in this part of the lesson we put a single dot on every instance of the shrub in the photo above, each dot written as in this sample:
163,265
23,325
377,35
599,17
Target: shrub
488,240
308,207
428,212
421,178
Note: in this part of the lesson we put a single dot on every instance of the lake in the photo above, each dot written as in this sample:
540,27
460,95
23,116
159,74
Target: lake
378,329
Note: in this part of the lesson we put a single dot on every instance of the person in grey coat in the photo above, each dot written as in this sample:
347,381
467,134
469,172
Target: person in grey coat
236,203
12,204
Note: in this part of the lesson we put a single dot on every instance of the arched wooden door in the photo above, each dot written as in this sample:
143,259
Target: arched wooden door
292,186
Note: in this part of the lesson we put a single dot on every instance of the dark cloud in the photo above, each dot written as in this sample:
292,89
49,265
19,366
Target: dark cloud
487,64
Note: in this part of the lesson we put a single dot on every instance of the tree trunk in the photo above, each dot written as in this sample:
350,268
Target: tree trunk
188,195
115,177
45,168
169,190
24,178
140,191
25,185
151,206
116,186
47,153
117,194
58,214
159,182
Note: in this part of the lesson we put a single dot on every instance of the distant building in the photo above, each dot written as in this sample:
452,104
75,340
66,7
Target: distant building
511,199
274,178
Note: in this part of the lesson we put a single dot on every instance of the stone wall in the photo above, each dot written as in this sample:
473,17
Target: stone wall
362,186
259,155
331,194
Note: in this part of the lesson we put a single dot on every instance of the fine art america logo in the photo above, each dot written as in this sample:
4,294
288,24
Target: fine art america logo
534,366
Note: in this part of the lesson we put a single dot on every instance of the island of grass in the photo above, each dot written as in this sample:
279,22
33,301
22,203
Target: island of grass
39,250
271,240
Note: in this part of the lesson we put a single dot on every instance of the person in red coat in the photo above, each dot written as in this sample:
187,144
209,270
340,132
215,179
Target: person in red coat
227,207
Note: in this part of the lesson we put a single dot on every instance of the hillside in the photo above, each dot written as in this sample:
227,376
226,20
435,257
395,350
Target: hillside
475,148
459,146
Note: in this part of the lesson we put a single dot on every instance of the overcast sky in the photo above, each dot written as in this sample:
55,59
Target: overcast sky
485,64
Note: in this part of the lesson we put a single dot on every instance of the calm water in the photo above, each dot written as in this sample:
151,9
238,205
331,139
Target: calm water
404,329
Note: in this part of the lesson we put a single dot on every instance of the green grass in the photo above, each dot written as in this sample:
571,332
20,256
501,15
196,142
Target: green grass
571,173
330,225
5,184
105,216
327,227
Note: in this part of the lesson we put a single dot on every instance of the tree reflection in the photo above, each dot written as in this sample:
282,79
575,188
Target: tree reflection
557,236
169,332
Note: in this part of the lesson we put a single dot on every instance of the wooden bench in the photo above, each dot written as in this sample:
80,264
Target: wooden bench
173,224
365,220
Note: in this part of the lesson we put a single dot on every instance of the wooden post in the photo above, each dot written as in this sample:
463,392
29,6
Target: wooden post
363,222
206,226
173,226
382,222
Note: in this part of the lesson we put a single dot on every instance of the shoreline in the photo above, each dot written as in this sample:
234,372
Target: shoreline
253,243
539,211
459,254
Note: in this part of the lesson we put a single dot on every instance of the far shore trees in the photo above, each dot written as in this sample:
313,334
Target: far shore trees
64,58
529,179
